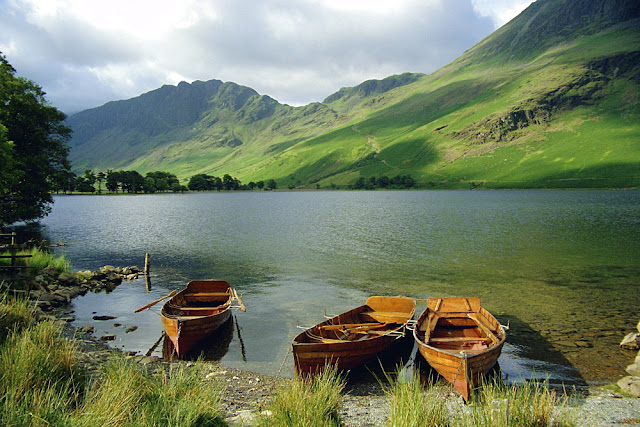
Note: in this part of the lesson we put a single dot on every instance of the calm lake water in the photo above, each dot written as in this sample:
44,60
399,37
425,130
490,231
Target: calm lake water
561,267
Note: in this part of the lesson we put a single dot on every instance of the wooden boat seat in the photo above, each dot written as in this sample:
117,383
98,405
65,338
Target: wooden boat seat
207,294
189,308
460,339
386,316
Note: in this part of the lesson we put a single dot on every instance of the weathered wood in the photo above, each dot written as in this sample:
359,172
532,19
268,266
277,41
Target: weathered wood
332,343
448,334
206,294
152,303
350,326
183,327
237,297
147,264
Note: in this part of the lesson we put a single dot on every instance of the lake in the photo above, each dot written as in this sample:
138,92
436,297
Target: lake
562,268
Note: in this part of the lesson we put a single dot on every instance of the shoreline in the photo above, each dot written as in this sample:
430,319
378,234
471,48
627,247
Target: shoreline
246,394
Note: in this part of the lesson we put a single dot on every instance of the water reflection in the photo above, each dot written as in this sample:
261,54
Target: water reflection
212,348
563,265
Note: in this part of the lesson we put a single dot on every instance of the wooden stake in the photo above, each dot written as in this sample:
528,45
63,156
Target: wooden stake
147,262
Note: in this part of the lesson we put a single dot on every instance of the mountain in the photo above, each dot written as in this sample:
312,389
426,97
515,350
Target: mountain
551,99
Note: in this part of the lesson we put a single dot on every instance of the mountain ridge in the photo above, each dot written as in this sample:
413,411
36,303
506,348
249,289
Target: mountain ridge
444,128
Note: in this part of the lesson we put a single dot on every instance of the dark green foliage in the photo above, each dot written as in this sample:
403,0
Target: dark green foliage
38,153
397,182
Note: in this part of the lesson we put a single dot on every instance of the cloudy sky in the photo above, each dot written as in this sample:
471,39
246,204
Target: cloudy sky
88,52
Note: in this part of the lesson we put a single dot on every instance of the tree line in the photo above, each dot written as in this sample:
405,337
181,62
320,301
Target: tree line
397,182
131,181
204,182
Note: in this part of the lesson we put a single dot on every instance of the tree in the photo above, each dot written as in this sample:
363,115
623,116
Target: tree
100,177
230,183
113,181
38,152
271,184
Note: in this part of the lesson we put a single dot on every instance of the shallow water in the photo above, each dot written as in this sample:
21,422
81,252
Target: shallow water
561,267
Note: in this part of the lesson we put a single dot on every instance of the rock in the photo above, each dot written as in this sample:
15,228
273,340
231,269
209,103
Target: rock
244,418
131,329
87,328
634,370
132,276
108,337
48,272
108,269
630,385
85,274
631,341
43,305
67,279
146,360
582,344
103,317
98,275
638,327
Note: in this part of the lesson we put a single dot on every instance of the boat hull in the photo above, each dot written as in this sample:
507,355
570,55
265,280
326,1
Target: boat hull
196,312
381,322
460,340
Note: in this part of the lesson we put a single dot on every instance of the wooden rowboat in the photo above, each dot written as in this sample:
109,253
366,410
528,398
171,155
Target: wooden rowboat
354,337
197,311
460,340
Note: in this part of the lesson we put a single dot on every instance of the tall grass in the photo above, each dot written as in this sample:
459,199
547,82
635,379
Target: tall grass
40,380
531,404
308,401
15,315
413,405
127,396
43,383
39,259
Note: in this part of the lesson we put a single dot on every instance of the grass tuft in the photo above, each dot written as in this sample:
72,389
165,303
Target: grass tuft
40,381
126,395
41,259
308,401
531,404
413,405
15,315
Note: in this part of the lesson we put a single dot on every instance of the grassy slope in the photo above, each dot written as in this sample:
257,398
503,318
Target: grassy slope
544,116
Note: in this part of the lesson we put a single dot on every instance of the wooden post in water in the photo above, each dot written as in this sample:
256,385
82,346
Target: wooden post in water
147,265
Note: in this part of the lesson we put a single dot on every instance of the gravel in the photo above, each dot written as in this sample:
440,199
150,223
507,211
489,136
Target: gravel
364,403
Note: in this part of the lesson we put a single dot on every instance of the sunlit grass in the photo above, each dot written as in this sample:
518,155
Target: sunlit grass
40,379
413,405
307,401
532,404
15,315
126,395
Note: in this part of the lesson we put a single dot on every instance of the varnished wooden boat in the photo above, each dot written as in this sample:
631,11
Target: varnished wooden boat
195,312
460,340
354,337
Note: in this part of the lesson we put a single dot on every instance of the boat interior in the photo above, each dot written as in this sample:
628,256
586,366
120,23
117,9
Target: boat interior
379,316
458,324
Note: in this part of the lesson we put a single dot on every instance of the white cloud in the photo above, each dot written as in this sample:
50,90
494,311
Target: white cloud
86,52
500,11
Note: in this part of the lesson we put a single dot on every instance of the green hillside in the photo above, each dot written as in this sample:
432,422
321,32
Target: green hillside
551,99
